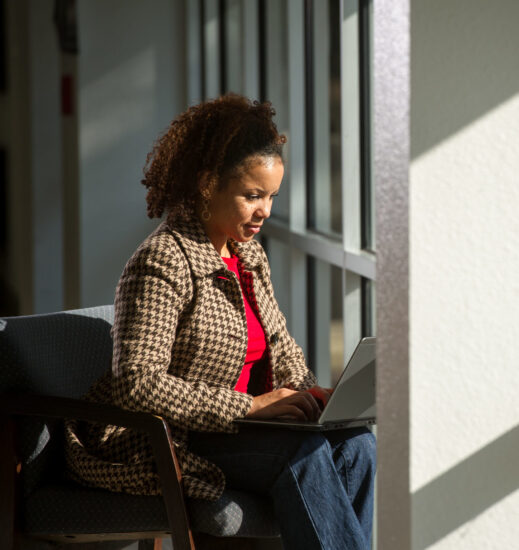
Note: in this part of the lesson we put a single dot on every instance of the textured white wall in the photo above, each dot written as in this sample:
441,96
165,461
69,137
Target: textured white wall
464,284
131,85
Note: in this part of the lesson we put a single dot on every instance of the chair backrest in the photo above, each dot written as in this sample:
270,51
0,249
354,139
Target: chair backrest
59,354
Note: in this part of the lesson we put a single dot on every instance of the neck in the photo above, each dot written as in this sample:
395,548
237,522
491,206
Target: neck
224,252
220,244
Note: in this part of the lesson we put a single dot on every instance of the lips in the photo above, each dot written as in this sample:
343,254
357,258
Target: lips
253,228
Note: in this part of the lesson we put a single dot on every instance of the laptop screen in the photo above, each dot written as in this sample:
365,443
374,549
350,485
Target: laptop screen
354,394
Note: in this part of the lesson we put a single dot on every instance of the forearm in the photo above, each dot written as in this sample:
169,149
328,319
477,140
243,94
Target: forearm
197,406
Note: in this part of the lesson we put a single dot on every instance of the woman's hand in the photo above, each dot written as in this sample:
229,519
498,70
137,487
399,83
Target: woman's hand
322,395
285,402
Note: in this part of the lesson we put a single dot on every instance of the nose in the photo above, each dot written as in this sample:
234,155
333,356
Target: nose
263,210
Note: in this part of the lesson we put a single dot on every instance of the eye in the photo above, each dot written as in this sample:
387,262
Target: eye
255,197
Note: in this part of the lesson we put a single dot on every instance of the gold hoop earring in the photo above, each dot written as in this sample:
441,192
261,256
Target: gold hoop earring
205,215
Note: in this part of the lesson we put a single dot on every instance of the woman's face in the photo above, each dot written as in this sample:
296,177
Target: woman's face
239,209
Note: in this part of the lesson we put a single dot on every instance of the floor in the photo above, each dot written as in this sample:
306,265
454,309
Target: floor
128,545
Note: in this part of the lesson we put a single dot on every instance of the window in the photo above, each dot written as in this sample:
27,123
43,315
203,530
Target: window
311,59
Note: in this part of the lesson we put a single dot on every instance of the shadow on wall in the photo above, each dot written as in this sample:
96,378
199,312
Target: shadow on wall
500,458
454,71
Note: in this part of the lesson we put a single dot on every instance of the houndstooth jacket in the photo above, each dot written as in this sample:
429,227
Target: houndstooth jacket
179,344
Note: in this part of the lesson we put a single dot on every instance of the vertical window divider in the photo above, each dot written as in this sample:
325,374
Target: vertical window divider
365,125
203,59
222,33
309,79
262,44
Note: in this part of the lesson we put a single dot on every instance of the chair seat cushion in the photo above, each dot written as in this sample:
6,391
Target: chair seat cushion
68,508
235,513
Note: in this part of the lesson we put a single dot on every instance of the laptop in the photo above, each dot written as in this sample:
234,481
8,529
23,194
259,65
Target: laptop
352,402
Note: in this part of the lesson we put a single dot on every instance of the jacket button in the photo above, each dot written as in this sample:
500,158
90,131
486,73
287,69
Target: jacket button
274,339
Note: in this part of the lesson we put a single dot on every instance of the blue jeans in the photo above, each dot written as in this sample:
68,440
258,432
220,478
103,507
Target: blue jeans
321,483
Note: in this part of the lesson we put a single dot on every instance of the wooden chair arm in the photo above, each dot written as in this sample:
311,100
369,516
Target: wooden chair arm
155,426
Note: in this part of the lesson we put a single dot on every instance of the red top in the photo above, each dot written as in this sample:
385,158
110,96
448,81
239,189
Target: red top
256,360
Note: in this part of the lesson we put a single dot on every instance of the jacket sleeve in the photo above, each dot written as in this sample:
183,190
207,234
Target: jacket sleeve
153,290
288,361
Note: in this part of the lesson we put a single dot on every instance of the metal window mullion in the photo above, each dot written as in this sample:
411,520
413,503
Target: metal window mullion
211,34
323,248
223,37
250,41
194,52
262,45
308,95
313,245
371,133
365,75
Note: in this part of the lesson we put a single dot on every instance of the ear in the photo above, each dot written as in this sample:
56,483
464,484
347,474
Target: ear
207,185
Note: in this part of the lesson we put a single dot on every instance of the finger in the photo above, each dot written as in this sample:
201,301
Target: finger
317,407
299,404
321,394
311,406
293,412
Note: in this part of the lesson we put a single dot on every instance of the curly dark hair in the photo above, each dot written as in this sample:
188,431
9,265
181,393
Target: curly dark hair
203,148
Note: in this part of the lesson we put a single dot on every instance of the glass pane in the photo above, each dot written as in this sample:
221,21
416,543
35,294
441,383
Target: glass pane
368,308
233,46
352,311
325,321
276,85
211,34
336,326
324,193
279,260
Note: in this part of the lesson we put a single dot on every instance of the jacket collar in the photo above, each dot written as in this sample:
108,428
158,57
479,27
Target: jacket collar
202,255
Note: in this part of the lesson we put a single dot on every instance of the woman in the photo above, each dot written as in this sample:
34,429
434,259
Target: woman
199,339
